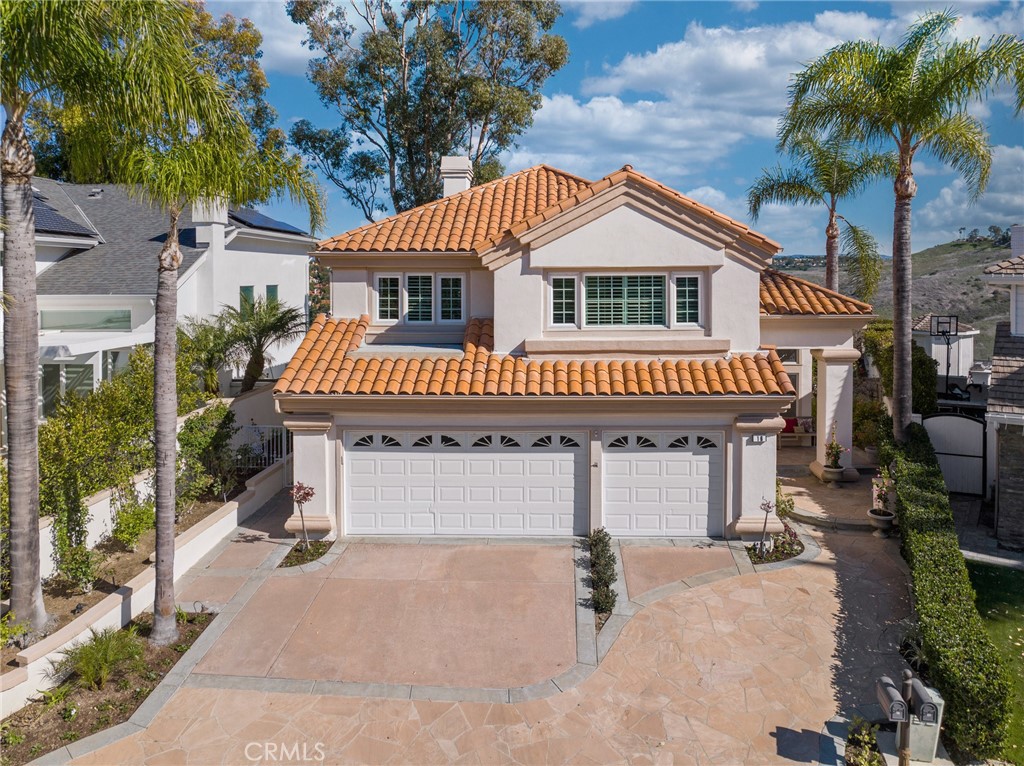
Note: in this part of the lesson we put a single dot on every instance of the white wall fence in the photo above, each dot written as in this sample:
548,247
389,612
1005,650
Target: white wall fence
20,685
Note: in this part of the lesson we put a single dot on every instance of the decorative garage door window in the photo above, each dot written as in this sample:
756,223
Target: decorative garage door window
613,441
532,441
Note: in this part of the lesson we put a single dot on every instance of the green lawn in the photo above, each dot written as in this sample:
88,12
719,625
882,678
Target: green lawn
1001,604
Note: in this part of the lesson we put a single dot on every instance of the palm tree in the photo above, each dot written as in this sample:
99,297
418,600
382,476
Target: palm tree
220,162
827,171
915,96
124,63
257,326
208,342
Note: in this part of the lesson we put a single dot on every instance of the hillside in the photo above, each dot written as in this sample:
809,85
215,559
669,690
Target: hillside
947,280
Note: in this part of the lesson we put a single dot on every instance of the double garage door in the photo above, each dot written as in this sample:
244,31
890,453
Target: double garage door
531,483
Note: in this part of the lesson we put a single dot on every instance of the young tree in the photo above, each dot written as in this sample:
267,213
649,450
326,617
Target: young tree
124,64
914,96
203,163
825,172
256,327
425,80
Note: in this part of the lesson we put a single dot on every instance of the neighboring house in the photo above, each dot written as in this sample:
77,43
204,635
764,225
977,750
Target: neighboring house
543,355
1006,396
96,265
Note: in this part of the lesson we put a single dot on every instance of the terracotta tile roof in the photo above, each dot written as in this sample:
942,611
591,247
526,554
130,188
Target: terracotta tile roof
1006,389
458,222
1011,267
321,366
483,216
784,294
924,324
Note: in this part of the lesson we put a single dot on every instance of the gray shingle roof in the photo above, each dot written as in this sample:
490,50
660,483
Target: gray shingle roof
50,221
1006,389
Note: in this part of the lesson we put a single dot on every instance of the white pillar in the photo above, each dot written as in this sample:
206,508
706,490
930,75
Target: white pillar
754,458
313,451
835,406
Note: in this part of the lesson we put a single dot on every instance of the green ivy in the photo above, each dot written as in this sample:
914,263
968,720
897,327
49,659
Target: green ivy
962,661
877,340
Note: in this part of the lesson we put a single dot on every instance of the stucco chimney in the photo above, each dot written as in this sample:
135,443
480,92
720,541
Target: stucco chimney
1016,241
209,216
456,174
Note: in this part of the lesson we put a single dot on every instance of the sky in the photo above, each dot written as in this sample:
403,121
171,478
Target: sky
690,94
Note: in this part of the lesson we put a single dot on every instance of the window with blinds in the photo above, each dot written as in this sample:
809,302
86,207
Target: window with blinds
451,299
389,290
420,298
624,300
687,300
563,300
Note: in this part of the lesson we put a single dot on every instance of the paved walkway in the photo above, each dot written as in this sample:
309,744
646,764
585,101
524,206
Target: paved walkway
745,669
977,540
843,507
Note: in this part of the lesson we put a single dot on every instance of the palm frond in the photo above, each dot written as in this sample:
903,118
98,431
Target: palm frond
864,263
785,186
962,142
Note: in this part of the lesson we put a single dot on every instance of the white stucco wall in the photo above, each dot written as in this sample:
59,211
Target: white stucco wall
350,292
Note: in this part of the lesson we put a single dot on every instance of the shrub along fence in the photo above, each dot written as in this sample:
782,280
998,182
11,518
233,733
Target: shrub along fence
963,664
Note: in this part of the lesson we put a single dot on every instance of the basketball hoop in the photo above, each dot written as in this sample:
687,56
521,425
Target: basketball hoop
944,326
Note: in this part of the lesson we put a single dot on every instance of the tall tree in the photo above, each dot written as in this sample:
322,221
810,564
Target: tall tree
226,47
256,327
204,163
826,172
426,79
124,64
914,96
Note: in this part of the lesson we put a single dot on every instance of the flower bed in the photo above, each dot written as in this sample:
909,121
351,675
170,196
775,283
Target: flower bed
962,661
784,545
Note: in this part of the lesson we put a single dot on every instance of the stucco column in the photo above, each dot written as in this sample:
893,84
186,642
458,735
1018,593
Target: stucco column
313,453
754,470
835,405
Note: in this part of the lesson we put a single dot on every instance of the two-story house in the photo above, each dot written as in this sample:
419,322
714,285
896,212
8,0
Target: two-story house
543,355
1005,413
96,252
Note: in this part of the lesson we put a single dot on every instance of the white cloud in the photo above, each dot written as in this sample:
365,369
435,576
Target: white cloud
283,50
745,6
1002,203
593,11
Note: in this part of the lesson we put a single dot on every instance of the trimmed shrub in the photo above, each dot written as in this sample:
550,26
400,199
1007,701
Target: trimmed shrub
132,517
963,664
602,569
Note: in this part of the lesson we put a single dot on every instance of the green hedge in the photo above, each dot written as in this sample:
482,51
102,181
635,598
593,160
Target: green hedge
876,340
963,663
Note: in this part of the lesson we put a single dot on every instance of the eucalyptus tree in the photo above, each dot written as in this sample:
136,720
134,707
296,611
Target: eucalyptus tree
123,63
257,326
827,172
915,97
419,80
213,164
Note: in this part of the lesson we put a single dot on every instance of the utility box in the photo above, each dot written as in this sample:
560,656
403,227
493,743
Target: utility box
924,737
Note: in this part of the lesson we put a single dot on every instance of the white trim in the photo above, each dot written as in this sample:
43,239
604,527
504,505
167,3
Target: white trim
674,322
375,295
577,302
620,273
463,281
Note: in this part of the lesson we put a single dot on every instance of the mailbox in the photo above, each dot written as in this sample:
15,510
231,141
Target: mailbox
891,700
924,706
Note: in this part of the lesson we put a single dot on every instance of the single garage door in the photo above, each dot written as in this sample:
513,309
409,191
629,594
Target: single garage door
664,484
463,483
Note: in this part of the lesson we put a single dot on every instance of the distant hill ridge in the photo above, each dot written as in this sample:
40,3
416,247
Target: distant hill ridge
947,280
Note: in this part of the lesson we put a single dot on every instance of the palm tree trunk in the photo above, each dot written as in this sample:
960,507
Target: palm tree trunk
21,369
253,371
832,252
905,188
165,404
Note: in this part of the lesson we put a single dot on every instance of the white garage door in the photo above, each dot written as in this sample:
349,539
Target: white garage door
461,483
664,484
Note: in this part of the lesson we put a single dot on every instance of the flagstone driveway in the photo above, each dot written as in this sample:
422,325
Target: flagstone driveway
742,670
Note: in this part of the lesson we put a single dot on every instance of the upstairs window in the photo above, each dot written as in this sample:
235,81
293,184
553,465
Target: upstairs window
563,301
389,293
628,300
246,296
420,298
687,300
451,298
271,293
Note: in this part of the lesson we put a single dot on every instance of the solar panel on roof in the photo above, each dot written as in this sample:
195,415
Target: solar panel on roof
49,220
259,221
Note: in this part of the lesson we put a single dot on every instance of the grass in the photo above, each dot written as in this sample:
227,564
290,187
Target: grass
1001,604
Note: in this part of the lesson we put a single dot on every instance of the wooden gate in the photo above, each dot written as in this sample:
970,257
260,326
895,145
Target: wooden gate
959,442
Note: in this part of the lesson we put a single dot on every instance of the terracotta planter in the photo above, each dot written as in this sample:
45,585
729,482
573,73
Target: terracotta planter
832,476
882,521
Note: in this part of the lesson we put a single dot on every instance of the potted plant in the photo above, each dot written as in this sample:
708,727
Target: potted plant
880,515
832,472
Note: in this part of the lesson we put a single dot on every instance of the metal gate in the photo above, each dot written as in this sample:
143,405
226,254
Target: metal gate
959,442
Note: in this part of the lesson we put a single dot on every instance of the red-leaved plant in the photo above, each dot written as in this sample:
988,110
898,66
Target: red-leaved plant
301,494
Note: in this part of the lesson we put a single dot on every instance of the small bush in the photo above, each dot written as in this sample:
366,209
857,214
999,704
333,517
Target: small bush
95,660
784,503
602,570
10,629
962,661
862,744
867,415
132,517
